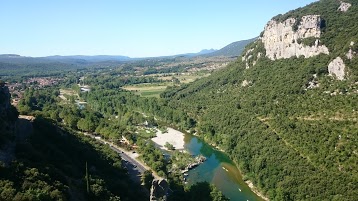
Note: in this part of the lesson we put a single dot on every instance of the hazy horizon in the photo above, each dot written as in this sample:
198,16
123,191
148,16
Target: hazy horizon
135,29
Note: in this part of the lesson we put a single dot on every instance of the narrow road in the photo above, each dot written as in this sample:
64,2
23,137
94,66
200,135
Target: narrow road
133,165
128,159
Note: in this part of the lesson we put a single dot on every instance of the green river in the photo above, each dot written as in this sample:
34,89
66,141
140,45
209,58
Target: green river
219,170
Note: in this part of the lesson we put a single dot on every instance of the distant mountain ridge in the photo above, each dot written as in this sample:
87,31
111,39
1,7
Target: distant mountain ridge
207,51
59,58
94,58
9,55
202,52
232,50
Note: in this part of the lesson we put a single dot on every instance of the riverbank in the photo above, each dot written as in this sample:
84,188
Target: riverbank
172,136
255,190
252,186
197,161
176,138
248,182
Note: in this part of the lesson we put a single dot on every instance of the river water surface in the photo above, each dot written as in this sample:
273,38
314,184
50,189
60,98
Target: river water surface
219,170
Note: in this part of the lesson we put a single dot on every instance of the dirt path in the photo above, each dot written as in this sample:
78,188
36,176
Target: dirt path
288,144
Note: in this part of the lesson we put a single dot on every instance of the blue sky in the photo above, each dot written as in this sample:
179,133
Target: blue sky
135,28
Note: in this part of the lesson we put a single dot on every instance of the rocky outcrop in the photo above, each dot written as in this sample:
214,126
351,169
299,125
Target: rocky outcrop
197,161
283,39
337,68
7,126
258,57
313,83
159,190
8,113
247,56
246,83
23,129
4,97
350,54
344,6
251,57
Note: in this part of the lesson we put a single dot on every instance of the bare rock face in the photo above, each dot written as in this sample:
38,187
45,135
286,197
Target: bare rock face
245,83
313,83
282,39
337,68
350,54
249,57
7,126
344,6
246,57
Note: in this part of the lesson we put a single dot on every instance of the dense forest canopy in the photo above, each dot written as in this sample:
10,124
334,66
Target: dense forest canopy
289,124
284,135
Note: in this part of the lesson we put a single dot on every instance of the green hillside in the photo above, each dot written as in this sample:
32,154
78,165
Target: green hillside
290,126
44,161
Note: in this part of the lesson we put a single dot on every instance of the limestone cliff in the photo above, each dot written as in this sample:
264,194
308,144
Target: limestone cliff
337,68
304,101
284,39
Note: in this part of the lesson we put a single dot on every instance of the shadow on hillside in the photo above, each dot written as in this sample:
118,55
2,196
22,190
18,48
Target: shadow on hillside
63,154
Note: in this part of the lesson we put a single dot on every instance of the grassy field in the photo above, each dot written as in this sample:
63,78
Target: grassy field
184,78
148,90
154,89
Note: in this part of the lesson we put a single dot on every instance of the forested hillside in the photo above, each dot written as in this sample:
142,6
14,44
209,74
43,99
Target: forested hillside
52,162
290,122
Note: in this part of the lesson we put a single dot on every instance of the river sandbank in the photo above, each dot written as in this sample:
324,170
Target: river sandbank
176,138
172,136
